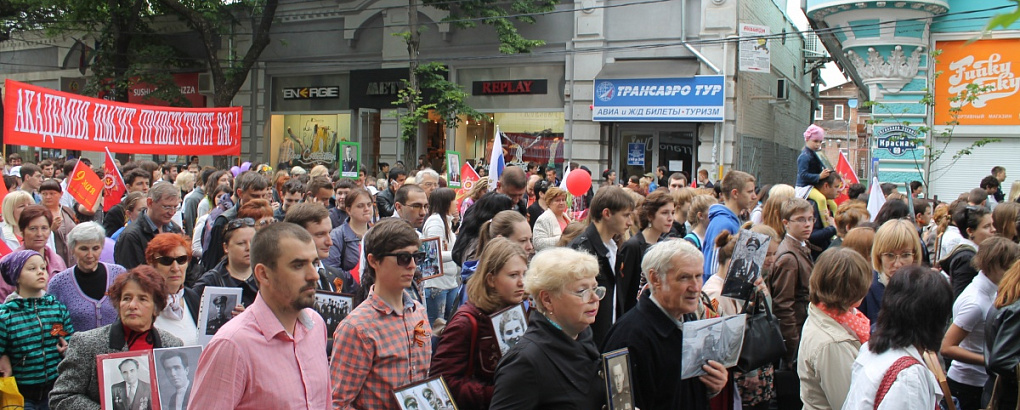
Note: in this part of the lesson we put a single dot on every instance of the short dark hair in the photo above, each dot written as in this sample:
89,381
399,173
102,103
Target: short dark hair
967,217
383,165
613,198
126,361
387,236
513,177
914,185
977,196
892,210
265,246
306,213
400,197
317,184
677,176
346,183
293,186
997,169
986,182
906,320
921,206
204,176
135,173
50,185
148,279
651,205
32,212
734,180
69,167
250,181
29,169
830,180
888,188
396,172
855,190
170,354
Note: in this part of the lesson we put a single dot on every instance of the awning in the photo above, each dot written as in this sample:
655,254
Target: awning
659,68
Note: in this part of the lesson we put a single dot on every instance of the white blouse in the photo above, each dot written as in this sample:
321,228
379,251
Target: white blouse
915,387
185,329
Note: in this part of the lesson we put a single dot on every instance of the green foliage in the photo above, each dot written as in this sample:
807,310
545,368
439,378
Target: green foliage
501,15
1004,20
444,97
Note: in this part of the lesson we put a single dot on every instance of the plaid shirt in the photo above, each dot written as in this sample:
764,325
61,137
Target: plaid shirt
377,349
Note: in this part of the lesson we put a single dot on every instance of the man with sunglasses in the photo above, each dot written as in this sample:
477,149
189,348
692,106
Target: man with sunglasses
388,323
271,356
163,202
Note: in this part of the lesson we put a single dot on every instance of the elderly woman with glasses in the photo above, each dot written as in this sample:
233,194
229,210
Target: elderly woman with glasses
556,363
83,287
896,245
168,253
139,295
235,270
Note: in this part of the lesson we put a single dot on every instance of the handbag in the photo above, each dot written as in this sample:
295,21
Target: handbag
763,341
10,397
993,403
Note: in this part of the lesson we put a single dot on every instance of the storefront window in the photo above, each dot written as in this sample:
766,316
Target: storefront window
307,139
527,137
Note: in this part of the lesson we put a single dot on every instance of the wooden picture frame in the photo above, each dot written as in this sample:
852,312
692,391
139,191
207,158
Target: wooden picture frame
113,383
432,267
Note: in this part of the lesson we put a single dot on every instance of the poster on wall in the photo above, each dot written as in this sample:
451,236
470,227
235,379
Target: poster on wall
453,169
309,140
985,63
636,154
754,48
351,159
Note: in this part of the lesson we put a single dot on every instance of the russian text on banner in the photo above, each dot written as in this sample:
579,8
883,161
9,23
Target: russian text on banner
85,185
41,117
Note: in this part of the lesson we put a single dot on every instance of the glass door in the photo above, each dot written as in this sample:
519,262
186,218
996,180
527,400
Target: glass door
368,136
636,153
676,151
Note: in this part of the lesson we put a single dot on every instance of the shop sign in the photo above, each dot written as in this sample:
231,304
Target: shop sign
897,139
311,93
694,99
187,83
985,63
384,87
636,154
510,87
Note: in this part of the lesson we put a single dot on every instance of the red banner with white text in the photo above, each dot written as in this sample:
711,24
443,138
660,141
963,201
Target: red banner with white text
41,117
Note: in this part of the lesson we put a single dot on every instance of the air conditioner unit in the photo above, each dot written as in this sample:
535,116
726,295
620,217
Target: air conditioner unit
205,84
782,89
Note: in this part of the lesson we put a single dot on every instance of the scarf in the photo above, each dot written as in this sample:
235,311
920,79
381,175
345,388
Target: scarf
174,310
852,320
139,340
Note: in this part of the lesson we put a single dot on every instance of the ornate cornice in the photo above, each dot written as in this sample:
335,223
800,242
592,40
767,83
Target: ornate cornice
930,7
893,72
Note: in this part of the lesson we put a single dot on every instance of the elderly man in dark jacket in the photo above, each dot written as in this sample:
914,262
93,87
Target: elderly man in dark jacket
163,202
652,332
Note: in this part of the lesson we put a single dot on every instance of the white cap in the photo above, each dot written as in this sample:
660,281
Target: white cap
16,171
372,190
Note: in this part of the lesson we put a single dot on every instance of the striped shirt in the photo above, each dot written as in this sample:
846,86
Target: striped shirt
29,332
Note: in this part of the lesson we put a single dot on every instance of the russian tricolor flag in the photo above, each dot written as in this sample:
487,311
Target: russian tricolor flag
496,161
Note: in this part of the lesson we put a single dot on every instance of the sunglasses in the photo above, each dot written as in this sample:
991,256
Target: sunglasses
169,260
404,258
239,223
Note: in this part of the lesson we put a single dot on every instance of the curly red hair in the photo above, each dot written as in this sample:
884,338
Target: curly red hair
164,243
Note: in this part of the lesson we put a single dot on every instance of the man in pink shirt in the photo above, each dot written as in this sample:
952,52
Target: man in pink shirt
272,356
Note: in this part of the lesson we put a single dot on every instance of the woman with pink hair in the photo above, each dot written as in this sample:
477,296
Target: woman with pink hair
809,165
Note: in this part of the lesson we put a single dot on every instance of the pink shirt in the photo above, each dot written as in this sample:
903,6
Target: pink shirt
252,363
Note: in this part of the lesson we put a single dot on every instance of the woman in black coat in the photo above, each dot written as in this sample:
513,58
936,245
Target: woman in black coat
556,364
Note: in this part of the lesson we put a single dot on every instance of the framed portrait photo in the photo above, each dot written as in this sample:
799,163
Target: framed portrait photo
745,265
428,394
432,266
453,169
510,324
175,374
216,310
616,368
350,159
125,381
333,307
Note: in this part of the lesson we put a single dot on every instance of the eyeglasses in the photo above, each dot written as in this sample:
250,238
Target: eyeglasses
804,221
170,208
907,256
404,258
418,207
266,222
239,223
585,295
169,260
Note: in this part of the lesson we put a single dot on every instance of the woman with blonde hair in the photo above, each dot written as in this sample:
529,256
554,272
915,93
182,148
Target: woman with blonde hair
834,330
697,215
849,215
771,211
1002,339
549,226
1014,191
13,204
896,246
467,354
681,204
861,239
1005,219
964,342
476,192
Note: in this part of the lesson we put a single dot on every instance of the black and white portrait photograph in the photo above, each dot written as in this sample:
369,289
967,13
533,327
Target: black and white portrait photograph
126,381
429,394
510,324
333,307
175,373
453,169
719,339
350,154
216,310
432,266
745,265
616,367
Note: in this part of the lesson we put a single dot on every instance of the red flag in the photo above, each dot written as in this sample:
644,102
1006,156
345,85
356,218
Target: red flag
84,185
113,184
468,178
849,177
3,192
4,249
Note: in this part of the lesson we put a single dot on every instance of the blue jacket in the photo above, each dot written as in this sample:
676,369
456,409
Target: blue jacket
873,300
720,218
808,167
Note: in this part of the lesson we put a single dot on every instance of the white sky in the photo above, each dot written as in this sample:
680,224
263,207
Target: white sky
830,74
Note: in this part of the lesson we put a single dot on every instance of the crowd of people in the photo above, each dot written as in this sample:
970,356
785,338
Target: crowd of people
872,309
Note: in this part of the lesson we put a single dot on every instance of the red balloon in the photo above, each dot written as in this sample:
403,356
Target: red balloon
578,182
